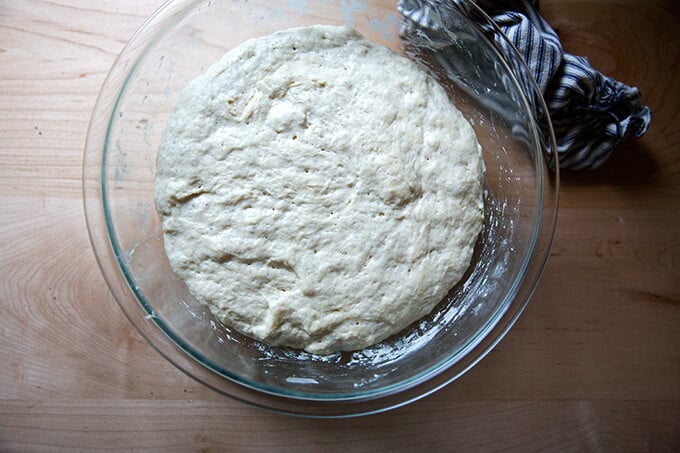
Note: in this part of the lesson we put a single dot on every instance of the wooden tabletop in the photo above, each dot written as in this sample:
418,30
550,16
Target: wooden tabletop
593,363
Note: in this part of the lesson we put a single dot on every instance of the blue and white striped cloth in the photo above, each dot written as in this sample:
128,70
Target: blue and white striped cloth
590,112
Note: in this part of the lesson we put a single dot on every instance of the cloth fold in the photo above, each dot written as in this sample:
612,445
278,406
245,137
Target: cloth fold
591,113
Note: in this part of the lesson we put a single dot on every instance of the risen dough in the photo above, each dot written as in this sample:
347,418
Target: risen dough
318,191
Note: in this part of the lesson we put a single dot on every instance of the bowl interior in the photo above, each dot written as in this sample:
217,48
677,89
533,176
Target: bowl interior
179,44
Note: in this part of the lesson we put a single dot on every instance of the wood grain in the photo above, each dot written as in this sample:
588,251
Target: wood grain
450,426
593,363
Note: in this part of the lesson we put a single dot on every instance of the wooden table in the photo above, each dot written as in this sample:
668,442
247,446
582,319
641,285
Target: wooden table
593,364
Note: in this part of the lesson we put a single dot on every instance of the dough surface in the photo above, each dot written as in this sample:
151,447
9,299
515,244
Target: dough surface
318,191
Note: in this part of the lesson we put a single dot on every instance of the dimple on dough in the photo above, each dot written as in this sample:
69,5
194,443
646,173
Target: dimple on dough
318,191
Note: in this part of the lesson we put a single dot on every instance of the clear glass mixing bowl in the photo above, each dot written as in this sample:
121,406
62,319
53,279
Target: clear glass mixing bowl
484,77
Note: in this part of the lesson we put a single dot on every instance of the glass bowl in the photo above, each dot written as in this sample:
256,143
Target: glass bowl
486,79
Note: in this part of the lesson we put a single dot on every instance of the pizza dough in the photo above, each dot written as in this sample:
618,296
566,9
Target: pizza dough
318,191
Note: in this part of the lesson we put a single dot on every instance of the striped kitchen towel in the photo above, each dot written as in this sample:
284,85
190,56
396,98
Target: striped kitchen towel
590,112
